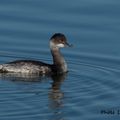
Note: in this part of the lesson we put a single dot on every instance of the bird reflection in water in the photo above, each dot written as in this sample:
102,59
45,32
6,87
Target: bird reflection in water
55,94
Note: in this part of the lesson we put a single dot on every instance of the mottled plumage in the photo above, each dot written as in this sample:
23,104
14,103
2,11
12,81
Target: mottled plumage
59,65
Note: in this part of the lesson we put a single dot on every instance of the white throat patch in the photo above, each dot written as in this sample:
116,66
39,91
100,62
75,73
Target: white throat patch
53,45
60,45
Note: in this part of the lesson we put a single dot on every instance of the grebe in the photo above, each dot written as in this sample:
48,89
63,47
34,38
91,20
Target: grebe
57,41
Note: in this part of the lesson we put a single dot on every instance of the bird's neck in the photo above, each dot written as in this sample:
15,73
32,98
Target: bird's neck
58,60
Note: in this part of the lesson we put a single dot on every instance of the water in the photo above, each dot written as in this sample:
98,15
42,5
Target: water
90,91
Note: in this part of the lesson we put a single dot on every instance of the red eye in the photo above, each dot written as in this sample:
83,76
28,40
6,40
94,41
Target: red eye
61,40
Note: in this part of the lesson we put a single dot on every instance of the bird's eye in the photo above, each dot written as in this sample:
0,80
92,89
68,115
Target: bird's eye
61,40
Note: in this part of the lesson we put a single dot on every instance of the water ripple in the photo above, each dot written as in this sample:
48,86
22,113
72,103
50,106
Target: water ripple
95,82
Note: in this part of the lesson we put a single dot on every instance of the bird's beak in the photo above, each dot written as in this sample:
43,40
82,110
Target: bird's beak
68,45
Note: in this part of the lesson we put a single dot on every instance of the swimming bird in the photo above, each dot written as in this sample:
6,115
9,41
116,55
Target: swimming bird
57,41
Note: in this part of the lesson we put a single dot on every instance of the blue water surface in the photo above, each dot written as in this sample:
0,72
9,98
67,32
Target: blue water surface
90,90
